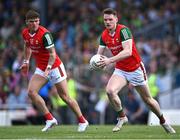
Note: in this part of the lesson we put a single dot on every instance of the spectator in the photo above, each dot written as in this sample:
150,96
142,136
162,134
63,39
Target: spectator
134,110
18,99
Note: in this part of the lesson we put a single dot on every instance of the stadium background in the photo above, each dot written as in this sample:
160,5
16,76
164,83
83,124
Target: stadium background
76,26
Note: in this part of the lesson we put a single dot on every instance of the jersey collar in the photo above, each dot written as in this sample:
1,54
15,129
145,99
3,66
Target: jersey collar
112,34
33,33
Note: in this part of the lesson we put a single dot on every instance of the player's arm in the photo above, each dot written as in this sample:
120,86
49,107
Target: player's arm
126,38
102,46
25,66
49,45
52,56
27,53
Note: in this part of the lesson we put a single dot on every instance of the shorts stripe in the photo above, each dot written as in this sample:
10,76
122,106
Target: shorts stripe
61,72
144,71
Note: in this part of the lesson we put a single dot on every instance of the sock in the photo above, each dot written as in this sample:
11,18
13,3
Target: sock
81,119
121,113
48,116
161,119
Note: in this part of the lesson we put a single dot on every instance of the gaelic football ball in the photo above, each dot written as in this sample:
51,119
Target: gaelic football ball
93,62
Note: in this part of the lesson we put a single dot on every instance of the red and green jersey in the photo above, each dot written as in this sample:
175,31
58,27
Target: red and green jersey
114,43
39,42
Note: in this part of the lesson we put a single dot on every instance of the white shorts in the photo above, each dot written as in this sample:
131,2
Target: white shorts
136,78
56,75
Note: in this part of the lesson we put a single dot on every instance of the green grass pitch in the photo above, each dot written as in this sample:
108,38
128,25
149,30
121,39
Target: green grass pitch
93,132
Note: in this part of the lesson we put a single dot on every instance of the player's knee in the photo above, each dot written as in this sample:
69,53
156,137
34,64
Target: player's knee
65,98
110,91
31,93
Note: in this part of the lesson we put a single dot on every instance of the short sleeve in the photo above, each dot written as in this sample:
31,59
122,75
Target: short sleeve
125,34
48,40
101,42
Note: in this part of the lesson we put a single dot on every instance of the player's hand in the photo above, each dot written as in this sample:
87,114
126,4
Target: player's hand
103,62
24,68
47,70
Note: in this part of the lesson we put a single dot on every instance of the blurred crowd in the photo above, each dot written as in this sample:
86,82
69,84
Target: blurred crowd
76,26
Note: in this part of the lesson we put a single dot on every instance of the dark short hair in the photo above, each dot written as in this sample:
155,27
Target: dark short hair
110,11
31,14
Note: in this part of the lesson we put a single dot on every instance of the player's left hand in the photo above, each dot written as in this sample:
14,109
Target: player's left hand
46,72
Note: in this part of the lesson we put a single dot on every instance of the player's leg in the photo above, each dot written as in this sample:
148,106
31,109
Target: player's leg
115,84
144,92
62,89
36,82
138,78
59,79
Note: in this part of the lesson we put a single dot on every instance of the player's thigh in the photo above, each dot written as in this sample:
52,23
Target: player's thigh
144,91
36,82
115,83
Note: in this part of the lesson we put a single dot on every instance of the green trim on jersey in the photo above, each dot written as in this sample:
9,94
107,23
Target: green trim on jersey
125,34
47,39
101,42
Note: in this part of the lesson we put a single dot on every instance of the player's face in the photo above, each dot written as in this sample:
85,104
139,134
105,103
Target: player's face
33,24
110,21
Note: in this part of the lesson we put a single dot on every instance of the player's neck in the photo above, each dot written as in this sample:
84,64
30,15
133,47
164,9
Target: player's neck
112,31
33,31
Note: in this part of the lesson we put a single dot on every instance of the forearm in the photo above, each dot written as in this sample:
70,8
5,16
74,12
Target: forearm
100,50
125,53
122,55
27,53
52,57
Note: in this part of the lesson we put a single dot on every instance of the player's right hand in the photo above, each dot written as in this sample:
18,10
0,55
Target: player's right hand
24,69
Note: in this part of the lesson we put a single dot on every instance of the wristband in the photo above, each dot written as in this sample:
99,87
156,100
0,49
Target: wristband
26,61
49,66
